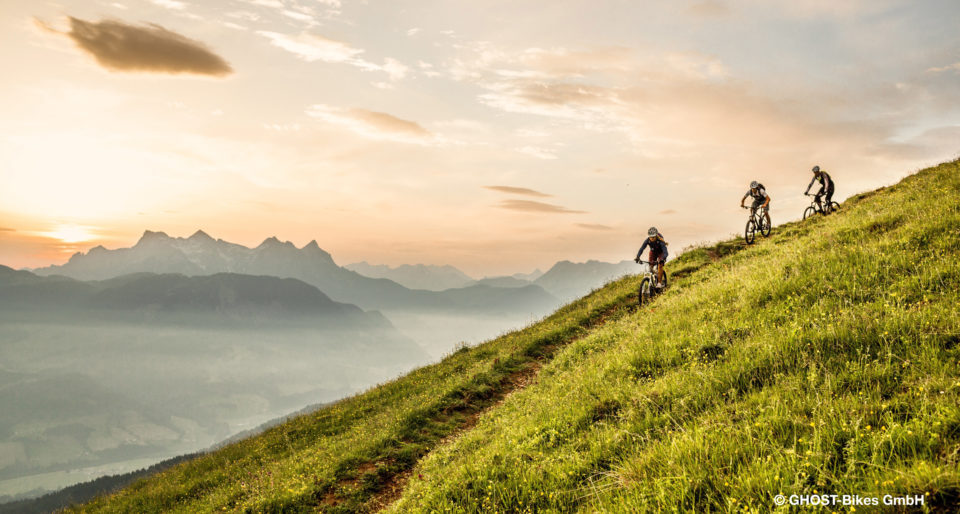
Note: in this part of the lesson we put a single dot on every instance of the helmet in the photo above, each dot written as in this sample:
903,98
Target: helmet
754,184
652,232
816,169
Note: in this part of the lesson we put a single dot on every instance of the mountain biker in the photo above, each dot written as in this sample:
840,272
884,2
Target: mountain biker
826,188
760,197
658,252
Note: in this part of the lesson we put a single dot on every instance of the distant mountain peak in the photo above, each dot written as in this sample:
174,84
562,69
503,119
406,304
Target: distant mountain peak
313,249
200,235
272,241
149,235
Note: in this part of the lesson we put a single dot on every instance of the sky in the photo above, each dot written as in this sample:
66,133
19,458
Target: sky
496,136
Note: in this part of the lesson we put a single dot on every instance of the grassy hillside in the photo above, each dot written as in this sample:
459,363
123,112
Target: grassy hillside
821,360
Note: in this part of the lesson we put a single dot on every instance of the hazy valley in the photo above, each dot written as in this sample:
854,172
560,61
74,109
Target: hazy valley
122,358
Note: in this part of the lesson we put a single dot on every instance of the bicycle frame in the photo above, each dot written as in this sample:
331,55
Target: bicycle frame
651,268
818,207
649,281
759,221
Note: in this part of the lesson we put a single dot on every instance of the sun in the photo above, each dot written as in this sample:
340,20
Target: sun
71,233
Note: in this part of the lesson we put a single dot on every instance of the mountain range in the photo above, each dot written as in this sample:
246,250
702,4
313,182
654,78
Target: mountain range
200,254
416,276
438,278
221,299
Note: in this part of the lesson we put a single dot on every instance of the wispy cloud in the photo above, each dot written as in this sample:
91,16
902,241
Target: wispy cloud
374,125
274,4
532,206
6,229
300,16
312,47
594,226
395,69
518,191
170,4
539,153
667,212
118,46
955,67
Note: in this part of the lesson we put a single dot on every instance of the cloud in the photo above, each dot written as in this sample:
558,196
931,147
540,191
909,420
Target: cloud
299,16
539,153
312,47
829,8
955,67
118,46
517,191
668,105
5,229
170,4
594,226
394,68
373,124
274,4
532,206
667,212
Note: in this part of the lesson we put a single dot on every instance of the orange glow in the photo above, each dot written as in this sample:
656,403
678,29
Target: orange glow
71,233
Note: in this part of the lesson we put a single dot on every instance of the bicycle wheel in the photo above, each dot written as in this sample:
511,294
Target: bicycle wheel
750,233
834,207
765,224
809,212
643,295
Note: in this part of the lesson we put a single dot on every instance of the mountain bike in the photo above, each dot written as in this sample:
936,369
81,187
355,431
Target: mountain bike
759,222
648,286
815,207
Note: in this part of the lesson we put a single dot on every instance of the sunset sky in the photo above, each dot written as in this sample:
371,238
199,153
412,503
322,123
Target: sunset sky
496,136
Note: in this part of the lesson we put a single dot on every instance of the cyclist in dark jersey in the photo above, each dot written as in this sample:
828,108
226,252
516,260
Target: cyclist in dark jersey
658,252
826,188
759,194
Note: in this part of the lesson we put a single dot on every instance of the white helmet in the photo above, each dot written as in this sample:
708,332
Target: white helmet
652,232
816,169
754,184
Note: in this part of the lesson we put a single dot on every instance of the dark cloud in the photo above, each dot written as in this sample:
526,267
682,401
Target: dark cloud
517,191
531,206
594,226
151,48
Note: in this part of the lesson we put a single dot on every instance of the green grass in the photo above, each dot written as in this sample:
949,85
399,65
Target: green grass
823,359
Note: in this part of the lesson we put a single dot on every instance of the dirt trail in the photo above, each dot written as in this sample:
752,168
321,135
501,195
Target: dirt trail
376,484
